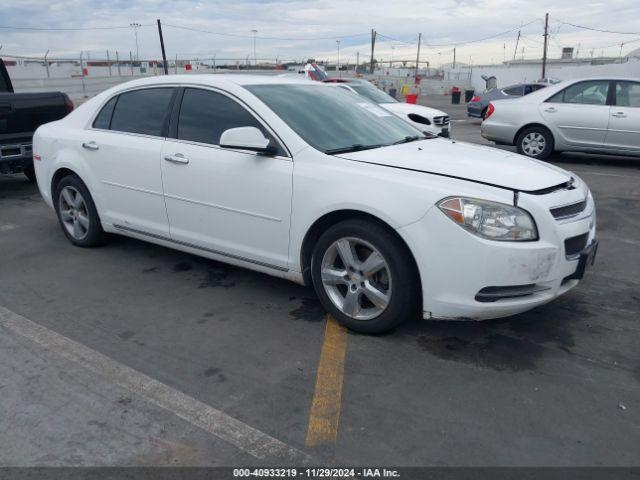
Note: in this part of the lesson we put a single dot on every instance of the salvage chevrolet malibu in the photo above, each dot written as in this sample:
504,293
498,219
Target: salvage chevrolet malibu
309,183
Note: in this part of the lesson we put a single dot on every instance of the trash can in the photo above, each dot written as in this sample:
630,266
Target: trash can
468,95
413,98
393,91
455,95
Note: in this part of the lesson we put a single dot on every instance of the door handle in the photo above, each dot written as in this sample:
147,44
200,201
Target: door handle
177,158
619,114
90,146
550,110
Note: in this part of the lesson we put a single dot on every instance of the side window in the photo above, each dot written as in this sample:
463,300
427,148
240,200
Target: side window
593,92
103,120
142,111
204,115
628,94
515,91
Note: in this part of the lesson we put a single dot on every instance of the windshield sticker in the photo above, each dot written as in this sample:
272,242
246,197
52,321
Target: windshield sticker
377,111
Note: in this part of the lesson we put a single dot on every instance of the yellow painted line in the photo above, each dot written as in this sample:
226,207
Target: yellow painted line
325,408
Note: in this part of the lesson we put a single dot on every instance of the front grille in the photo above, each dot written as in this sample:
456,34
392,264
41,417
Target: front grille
441,121
568,211
574,245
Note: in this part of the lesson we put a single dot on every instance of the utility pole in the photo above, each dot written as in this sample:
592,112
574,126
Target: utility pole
46,62
135,27
131,62
418,55
109,62
338,43
118,62
357,61
373,46
515,50
546,41
164,55
454,58
255,58
393,47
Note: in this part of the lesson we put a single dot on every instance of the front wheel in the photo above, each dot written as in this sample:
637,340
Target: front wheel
364,276
535,142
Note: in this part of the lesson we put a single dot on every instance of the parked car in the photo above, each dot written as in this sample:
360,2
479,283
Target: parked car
425,119
600,115
479,104
20,115
381,219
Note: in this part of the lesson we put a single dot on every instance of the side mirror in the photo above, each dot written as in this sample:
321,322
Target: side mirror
247,138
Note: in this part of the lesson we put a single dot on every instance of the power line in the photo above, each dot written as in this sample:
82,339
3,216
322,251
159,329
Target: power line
597,29
457,44
334,37
65,29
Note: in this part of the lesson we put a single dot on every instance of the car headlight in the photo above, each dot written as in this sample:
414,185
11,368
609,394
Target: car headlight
490,220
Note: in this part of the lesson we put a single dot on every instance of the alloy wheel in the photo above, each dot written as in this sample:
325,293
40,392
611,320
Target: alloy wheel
74,213
356,278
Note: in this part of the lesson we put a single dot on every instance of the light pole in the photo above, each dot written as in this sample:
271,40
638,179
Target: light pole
338,43
393,47
135,27
255,58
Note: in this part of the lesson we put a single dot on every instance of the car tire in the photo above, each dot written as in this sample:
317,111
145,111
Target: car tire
483,114
535,142
30,173
394,287
77,215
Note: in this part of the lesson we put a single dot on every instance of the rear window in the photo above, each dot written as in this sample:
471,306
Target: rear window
142,111
103,120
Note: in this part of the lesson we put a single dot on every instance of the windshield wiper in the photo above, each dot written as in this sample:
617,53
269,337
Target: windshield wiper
408,139
353,148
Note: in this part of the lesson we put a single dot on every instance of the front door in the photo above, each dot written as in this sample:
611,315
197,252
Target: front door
624,124
579,114
226,201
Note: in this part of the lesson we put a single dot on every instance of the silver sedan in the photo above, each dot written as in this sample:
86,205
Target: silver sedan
590,115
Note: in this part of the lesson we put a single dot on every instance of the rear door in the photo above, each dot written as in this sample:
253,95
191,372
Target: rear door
579,114
122,150
227,201
624,123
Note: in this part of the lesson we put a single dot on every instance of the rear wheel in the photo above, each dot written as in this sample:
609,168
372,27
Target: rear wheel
483,115
77,213
535,142
364,276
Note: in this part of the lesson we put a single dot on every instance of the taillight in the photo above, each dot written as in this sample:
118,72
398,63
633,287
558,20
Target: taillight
475,98
490,110
68,104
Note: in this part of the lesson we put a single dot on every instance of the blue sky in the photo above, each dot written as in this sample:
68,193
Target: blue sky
310,28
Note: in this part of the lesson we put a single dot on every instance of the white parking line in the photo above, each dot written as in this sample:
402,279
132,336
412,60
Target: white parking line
5,227
216,422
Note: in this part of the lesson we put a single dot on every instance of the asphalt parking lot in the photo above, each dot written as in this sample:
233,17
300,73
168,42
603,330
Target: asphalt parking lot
134,354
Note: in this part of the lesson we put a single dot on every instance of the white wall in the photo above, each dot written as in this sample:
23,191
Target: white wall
508,75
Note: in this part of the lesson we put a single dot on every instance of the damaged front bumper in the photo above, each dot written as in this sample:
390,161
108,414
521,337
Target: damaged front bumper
481,279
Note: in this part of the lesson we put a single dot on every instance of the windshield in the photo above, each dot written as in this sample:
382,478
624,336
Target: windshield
372,93
331,119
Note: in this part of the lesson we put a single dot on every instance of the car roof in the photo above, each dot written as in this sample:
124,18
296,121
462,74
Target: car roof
220,80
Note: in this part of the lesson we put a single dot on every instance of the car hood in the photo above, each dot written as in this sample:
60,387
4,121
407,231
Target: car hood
408,108
468,162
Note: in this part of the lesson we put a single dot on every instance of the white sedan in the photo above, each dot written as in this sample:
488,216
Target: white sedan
598,115
301,181
425,119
